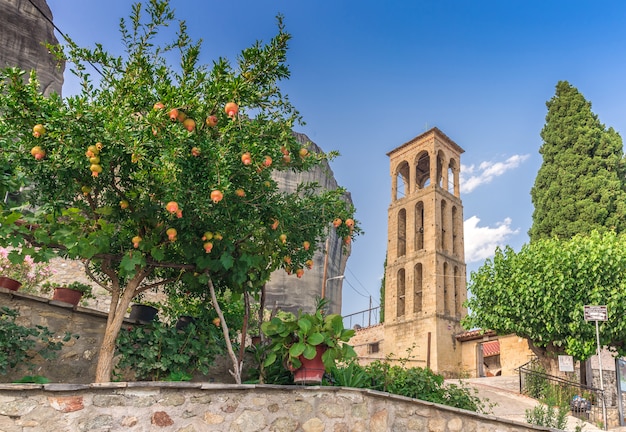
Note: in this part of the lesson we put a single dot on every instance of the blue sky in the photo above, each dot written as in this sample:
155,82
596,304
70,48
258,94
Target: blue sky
368,76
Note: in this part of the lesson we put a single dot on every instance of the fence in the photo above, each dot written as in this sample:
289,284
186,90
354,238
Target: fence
365,318
585,402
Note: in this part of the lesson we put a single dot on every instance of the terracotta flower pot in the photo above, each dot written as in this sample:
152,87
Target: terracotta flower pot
10,284
312,371
67,295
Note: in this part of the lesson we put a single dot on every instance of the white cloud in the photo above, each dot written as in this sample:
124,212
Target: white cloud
481,242
472,176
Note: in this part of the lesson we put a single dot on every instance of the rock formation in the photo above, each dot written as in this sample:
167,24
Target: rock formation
23,34
287,292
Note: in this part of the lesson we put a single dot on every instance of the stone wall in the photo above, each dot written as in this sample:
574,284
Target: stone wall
514,352
368,342
77,360
190,407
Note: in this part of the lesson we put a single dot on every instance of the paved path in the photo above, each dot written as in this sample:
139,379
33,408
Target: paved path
511,405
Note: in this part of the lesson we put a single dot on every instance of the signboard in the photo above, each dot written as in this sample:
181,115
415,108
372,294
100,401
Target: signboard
566,363
595,313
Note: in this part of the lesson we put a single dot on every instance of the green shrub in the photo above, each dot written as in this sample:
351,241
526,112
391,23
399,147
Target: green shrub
161,352
350,375
413,382
535,384
258,373
548,416
19,345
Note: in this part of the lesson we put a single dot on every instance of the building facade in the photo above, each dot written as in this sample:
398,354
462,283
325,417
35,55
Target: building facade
425,275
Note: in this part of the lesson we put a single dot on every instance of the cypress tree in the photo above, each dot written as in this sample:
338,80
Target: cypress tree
580,185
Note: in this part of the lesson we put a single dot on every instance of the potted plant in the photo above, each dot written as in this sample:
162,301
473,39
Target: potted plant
308,344
21,271
10,283
143,312
68,293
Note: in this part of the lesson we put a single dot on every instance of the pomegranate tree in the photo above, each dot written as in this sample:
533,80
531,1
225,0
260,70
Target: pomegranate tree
124,177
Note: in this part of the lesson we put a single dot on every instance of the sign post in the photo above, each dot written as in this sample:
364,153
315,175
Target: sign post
598,313
620,371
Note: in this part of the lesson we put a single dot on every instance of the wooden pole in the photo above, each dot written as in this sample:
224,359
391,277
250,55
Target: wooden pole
428,352
325,269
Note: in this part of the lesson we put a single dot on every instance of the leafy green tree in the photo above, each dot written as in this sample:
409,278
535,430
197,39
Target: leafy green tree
539,293
159,176
580,185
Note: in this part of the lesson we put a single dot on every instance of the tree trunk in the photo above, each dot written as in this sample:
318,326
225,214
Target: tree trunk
244,327
548,357
237,366
261,311
115,319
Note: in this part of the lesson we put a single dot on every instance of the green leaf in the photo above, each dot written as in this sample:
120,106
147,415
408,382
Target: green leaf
309,352
305,324
315,339
227,260
157,253
131,261
297,349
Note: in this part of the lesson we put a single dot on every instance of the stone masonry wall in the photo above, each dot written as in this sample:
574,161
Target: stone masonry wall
365,342
191,407
76,361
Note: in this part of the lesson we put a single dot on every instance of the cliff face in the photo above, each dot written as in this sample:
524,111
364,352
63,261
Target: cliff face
23,35
289,293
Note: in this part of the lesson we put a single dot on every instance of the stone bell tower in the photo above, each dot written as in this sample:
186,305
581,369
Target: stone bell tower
425,275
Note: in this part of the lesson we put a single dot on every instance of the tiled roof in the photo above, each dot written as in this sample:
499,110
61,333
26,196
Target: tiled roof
474,334
491,348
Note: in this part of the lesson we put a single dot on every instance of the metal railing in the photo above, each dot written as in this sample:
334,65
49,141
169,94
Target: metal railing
585,402
365,318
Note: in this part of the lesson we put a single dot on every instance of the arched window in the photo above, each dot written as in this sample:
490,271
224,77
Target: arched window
443,223
446,290
457,295
453,178
440,168
422,171
401,293
402,232
401,181
418,280
456,230
419,226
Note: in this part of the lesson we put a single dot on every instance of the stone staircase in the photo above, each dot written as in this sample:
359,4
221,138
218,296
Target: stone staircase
503,391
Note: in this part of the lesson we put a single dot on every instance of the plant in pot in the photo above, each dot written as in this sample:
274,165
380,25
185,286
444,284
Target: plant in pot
308,344
18,271
143,312
68,293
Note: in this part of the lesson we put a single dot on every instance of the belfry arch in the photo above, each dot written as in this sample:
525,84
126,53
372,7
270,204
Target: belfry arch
425,284
422,170
401,185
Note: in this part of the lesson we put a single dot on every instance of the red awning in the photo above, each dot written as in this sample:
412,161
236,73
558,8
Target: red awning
491,348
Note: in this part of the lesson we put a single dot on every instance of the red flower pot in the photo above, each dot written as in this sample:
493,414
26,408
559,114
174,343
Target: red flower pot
312,371
67,295
10,284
